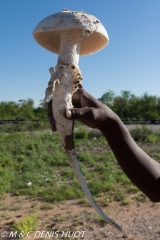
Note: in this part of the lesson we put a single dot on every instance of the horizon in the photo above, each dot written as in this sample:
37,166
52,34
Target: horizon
37,103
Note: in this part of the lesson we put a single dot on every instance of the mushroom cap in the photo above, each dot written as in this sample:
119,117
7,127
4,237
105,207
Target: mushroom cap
48,32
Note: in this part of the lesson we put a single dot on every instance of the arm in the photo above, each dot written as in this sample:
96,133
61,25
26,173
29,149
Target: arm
141,169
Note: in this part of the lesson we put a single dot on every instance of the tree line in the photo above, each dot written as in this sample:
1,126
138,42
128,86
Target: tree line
127,106
22,110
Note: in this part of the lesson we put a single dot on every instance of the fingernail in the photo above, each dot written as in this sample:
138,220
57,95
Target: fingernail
68,113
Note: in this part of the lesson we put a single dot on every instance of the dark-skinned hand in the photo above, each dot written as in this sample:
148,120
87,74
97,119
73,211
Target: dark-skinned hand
87,109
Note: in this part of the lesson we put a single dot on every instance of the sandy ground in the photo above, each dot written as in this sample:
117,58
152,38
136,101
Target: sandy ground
75,219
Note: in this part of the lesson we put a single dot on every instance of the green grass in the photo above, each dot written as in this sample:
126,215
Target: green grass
140,197
26,224
36,165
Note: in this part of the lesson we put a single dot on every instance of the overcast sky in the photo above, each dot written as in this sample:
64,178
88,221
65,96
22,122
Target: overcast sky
131,61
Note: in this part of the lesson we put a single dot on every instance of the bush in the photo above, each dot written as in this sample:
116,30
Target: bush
94,133
152,138
24,126
81,134
143,135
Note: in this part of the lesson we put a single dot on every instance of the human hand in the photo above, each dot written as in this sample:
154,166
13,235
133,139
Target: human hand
87,109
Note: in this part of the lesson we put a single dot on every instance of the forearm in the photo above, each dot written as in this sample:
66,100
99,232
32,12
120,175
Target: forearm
141,169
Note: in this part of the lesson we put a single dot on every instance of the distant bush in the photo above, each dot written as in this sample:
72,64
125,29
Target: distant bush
94,133
81,134
24,126
144,134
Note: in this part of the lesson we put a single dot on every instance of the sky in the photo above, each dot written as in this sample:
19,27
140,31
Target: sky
131,60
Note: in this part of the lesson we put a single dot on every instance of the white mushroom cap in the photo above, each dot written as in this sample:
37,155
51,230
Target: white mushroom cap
48,32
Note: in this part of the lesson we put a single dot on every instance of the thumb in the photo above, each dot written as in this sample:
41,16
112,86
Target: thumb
75,113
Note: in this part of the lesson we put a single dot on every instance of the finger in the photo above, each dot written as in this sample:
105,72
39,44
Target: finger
78,113
85,115
49,108
76,99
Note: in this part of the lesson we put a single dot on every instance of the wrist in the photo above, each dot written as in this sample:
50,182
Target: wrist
111,122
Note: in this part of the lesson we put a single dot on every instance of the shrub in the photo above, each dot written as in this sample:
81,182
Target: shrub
152,138
94,133
24,126
143,135
81,134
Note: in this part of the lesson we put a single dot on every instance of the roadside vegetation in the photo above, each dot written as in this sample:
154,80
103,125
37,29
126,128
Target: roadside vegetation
127,106
34,164
33,161
130,107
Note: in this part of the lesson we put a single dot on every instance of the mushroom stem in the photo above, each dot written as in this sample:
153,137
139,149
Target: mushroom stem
63,86
70,47
62,99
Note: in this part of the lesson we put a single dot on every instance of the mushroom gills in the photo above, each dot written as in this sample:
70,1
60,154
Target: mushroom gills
63,87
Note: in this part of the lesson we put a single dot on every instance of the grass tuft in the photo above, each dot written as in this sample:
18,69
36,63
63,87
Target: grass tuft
26,224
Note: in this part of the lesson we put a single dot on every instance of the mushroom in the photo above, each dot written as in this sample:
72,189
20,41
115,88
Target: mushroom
70,34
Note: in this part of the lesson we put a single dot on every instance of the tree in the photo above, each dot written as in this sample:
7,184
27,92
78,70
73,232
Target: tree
121,104
108,98
131,107
149,107
40,112
25,110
